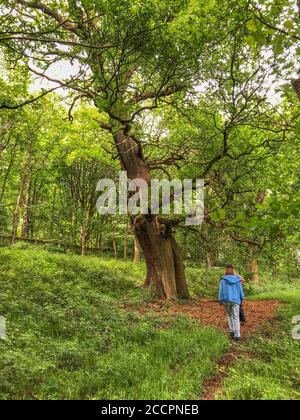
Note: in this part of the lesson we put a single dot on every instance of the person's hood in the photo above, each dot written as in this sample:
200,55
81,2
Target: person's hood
232,279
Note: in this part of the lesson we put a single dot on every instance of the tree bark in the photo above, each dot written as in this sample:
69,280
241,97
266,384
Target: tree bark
115,248
35,197
52,222
8,171
210,259
254,269
99,241
27,207
126,241
137,251
16,213
164,261
27,190
26,216
83,236
84,231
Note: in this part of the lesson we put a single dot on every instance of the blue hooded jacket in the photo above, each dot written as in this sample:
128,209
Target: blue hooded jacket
231,290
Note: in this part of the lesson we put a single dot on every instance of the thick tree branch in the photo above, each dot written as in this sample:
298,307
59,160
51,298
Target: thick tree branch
45,40
168,91
64,22
245,240
196,231
31,101
169,161
103,125
224,152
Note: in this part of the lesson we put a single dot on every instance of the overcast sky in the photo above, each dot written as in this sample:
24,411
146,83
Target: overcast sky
63,70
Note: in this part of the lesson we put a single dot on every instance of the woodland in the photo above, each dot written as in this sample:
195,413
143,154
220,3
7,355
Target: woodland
99,306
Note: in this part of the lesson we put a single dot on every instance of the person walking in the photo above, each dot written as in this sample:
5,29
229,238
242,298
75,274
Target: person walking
231,294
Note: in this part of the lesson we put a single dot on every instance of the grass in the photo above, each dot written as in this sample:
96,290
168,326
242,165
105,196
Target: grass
69,336
270,368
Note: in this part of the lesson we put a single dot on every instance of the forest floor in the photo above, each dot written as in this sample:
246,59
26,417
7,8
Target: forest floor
86,329
259,313
210,312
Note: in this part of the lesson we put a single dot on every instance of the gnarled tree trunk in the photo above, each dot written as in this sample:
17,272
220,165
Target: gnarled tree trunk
164,260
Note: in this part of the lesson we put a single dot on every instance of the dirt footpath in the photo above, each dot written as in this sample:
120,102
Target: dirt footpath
209,312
